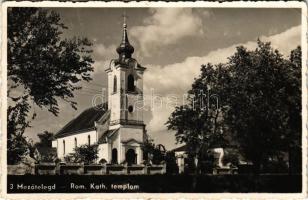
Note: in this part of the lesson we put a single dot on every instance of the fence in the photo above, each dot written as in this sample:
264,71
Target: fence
97,169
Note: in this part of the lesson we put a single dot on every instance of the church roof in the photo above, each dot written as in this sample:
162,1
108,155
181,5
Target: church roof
125,50
107,134
83,122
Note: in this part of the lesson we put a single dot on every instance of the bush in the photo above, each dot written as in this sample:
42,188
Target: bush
85,153
71,158
102,161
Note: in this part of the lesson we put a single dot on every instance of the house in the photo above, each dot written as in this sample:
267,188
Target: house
180,155
117,126
218,153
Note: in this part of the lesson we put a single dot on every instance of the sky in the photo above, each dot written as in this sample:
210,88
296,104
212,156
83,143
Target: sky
172,43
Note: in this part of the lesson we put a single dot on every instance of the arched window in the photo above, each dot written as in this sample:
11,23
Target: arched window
89,140
130,83
75,142
63,147
115,84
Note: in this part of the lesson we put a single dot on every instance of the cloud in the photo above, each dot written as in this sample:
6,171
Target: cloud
102,55
285,41
166,26
177,78
105,51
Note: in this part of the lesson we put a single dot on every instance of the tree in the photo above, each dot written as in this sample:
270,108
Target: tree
17,148
263,98
43,67
259,95
153,153
45,139
199,124
86,153
293,138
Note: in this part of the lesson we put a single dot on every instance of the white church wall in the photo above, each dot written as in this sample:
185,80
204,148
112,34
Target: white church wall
82,138
139,82
137,103
129,132
103,152
115,143
109,88
114,97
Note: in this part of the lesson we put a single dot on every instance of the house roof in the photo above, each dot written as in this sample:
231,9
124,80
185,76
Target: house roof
184,147
83,122
181,148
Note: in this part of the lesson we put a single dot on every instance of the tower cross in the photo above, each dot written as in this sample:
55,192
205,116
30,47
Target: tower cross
124,18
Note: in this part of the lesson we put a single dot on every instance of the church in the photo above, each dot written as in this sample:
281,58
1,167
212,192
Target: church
119,130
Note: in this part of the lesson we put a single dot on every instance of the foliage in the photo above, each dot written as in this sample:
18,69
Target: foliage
259,95
45,139
42,66
152,153
70,158
198,123
17,149
48,158
102,161
263,100
85,153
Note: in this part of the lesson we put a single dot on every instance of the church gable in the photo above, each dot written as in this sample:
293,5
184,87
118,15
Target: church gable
131,141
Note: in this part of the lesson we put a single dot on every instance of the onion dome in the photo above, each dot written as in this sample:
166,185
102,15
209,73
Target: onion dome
125,50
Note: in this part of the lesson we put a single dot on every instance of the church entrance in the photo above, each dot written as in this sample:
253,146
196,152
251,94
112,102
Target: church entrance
131,157
114,156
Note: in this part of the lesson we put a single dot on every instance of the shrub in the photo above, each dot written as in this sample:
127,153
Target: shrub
102,161
85,153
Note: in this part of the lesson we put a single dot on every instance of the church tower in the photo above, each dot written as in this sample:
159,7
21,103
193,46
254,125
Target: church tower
125,102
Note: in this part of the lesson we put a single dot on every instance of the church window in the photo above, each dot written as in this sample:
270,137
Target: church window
63,147
89,140
130,83
115,84
130,109
114,156
75,142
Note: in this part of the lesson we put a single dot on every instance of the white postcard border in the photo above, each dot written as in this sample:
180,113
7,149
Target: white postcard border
280,4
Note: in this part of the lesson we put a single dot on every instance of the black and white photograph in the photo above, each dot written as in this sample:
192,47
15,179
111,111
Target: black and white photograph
154,98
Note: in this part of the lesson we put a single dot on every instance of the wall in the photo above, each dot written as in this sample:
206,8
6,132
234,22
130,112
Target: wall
103,152
136,132
82,138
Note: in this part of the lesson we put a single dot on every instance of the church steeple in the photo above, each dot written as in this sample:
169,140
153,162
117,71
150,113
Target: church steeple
125,49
